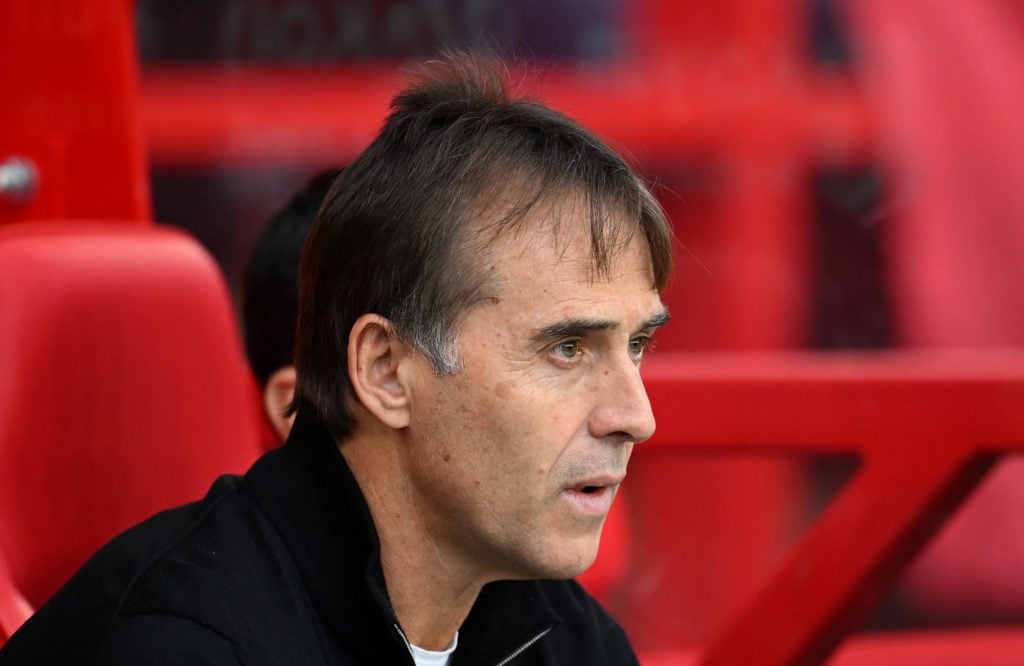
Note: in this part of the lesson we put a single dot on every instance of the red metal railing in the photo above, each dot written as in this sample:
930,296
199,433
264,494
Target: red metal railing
926,428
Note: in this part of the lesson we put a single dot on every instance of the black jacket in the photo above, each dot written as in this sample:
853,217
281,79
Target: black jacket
282,566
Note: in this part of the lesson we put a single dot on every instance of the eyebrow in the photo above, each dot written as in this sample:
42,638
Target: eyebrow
576,327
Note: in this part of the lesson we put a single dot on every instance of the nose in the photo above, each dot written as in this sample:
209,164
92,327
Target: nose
622,410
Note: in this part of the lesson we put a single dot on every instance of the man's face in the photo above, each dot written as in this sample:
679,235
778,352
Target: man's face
516,457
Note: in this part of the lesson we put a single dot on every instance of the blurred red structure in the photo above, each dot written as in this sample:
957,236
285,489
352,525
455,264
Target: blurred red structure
71,107
123,389
953,138
925,427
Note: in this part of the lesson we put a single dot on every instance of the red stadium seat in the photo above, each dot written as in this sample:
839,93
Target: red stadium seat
71,108
123,391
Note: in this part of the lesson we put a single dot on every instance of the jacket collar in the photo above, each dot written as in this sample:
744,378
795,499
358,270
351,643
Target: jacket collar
310,494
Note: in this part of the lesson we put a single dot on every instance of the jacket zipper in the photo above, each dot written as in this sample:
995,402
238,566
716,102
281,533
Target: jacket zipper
408,645
522,648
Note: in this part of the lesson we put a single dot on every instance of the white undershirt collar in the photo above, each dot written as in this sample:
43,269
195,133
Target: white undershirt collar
433,658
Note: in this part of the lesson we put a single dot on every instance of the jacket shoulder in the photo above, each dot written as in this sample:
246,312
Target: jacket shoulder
79,613
190,575
161,640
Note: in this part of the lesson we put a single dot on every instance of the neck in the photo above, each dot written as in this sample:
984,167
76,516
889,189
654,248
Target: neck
429,589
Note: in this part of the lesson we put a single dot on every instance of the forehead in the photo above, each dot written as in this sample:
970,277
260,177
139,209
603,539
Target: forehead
571,231
548,262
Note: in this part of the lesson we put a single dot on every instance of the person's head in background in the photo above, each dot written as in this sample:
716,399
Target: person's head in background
270,298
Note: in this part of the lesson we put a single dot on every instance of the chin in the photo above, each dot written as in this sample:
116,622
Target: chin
558,558
572,561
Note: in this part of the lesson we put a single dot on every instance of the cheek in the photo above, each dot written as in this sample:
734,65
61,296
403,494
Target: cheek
507,431
503,390
506,443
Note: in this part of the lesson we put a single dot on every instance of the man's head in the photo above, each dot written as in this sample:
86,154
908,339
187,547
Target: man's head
270,297
405,233
476,297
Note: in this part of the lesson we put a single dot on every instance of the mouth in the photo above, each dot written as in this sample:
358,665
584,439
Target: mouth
593,488
597,483
594,496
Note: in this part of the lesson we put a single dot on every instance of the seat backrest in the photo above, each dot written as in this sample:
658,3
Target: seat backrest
123,389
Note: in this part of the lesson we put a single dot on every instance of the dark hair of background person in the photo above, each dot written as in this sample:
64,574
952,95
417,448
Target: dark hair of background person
405,232
270,285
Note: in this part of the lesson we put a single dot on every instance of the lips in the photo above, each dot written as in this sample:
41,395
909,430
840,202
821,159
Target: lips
594,495
596,483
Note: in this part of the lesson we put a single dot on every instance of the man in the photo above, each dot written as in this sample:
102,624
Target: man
270,299
475,301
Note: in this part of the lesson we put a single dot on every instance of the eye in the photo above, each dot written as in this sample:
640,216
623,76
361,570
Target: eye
637,346
567,350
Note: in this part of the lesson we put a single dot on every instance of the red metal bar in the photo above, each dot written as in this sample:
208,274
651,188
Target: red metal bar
262,116
927,428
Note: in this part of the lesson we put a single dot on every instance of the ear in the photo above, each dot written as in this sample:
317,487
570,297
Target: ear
277,395
375,357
